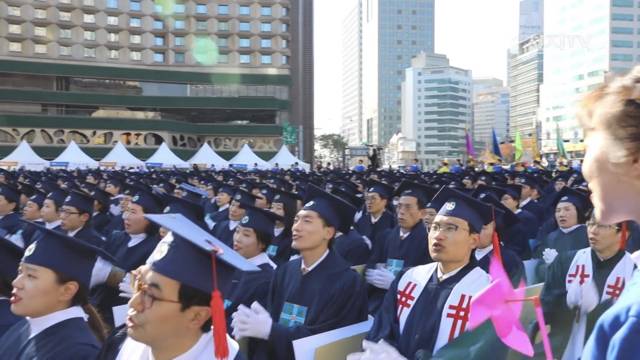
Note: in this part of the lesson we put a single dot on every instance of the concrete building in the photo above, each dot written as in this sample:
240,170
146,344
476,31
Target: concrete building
351,128
584,41
393,32
98,71
436,108
525,78
531,19
490,110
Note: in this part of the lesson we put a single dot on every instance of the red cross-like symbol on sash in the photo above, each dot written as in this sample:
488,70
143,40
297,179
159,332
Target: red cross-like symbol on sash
614,290
581,273
405,297
460,315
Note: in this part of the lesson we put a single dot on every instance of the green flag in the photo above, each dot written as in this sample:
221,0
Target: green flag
560,143
518,146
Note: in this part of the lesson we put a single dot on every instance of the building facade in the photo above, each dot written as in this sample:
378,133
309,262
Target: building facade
584,41
99,71
393,32
436,108
525,78
531,21
351,127
490,110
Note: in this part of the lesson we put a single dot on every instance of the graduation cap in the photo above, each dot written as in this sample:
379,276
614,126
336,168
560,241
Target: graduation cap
578,198
454,203
37,198
101,196
57,196
150,202
176,205
192,193
267,192
513,190
10,255
504,217
63,254
260,220
79,200
244,198
422,192
344,193
227,189
385,191
528,180
10,193
335,211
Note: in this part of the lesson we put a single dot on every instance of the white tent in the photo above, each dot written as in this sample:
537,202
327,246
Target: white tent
24,155
73,157
284,158
164,157
207,156
246,158
121,157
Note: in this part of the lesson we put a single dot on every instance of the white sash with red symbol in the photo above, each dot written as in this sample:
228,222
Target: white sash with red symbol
455,313
583,295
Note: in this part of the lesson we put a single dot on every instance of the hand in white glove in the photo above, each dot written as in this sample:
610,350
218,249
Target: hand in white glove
590,298
100,272
377,351
548,255
254,322
126,290
380,278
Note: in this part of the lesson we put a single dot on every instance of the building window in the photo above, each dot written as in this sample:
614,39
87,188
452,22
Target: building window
265,27
285,27
40,49
245,59
135,5
39,31
65,16
179,58
89,18
623,3
113,37
65,33
179,24
90,52
179,8
135,39
223,42
201,9
265,59
621,57
223,9
158,57
223,26
114,54
15,29
265,43
40,14
15,47
223,59
65,50
135,55
112,4
201,25
89,2
245,10
285,11
178,41
245,43
622,43
265,11
285,59
90,35
245,26
112,20
135,22
158,24
158,41
14,11
285,44
622,17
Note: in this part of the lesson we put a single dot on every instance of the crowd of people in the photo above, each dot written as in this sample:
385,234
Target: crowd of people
298,253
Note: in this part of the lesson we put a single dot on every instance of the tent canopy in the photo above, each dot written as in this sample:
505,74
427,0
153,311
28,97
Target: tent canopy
73,158
122,157
24,156
164,157
207,156
284,158
247,158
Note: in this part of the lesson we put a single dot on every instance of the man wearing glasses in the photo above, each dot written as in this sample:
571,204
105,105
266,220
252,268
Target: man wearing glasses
580,285
76,214
427,306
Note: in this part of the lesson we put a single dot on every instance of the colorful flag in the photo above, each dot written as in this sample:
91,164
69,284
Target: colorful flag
496,145
518,146
470,151
560,143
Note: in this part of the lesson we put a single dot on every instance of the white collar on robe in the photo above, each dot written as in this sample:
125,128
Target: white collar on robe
233,224
566,231
51,225
74,232
262,258
40,324
443,277
223,207
203,349
480,253
277,231
314,265
524,202
136,239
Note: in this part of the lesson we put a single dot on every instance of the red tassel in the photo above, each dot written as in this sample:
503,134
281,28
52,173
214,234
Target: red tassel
623,236
496,239
217,317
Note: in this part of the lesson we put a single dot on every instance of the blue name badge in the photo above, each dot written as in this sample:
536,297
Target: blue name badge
227,303
272,250
395,265
292,315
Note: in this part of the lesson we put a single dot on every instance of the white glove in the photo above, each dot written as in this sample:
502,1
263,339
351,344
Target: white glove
100,272
126,290
380,278
376,351
548,255
252,322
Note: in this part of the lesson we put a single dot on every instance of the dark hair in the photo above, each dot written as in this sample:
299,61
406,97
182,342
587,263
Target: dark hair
263,238
81,298
5,287
189,296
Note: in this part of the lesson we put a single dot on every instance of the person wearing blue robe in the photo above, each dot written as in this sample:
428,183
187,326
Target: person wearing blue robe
315,293
284,204
403,246
376,219
224,230
101,217
54,327
352,247
530,186
76,218
10,255
9,217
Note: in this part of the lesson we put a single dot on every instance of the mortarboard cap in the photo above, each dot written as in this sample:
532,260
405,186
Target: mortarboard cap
37,198
335,211
101,196
421,192
260,220
384,190
459,205
244,198
150,202
10,193
80,200
10,255
578,198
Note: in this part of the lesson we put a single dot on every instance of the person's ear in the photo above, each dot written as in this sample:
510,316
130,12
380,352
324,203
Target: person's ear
85,217
329,232
474,240
68,291
423,213
197,316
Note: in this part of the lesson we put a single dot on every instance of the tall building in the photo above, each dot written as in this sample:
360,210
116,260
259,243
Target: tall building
436,108
577,62
531,19
490,109
393,32
525,78
352,74
185,72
